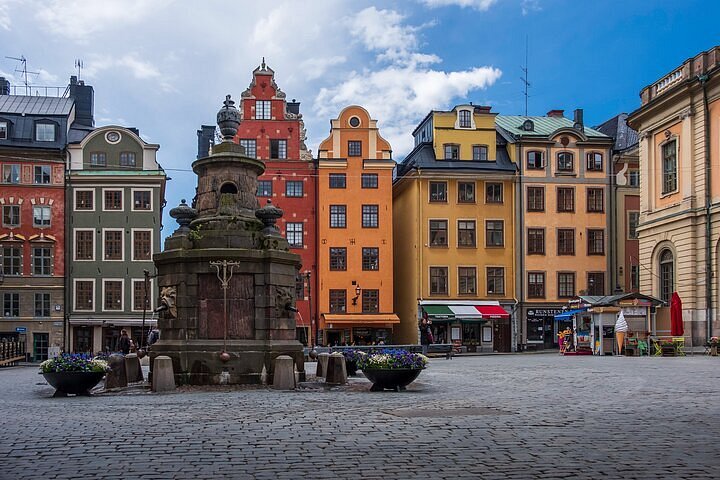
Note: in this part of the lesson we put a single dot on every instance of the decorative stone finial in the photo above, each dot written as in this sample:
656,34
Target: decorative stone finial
269,215
262,66
183,215
228,119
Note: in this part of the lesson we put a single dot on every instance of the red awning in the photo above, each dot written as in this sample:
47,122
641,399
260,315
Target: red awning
492,311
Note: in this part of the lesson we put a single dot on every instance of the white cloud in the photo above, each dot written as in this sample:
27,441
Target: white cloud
5,17
129,63
481,5
316,67
528,6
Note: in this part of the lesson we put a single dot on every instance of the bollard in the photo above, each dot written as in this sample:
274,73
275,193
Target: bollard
133,370
322,362
116,377
336,373
163,378
284,376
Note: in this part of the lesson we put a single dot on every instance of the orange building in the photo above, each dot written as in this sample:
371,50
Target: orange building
355,248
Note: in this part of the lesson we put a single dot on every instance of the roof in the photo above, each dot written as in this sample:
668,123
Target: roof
599,300
544,126
617,128
20,104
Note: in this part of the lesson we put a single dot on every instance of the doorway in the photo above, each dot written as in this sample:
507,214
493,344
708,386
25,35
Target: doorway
41,341
501,334
83,341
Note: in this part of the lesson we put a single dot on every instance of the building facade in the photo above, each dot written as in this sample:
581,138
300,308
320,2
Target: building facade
562,217
679,136
115,192
355,231
454,241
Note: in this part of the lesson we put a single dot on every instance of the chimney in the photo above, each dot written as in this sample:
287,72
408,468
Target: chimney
205,139
556,113
293,107
578,123
482,109
84,97
4,86
134,130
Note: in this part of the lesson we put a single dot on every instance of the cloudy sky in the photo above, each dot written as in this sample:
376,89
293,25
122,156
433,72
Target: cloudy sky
164,66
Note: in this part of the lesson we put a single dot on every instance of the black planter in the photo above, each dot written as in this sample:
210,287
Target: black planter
392,379
77,383
351,367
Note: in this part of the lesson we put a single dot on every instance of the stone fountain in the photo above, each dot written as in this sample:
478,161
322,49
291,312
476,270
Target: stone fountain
226,275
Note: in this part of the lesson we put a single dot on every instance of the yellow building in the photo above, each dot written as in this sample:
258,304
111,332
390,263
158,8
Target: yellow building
454,231
562,220
355,248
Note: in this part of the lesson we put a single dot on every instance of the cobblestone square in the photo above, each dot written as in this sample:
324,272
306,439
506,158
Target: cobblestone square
501,416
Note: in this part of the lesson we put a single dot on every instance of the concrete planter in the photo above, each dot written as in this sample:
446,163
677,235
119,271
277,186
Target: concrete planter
391,379
76,383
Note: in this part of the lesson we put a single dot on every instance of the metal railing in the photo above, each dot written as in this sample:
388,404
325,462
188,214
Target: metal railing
11,353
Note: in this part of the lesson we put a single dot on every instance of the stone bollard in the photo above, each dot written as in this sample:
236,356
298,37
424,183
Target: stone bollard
284,376
335,373
322,363
163,378
133,370
116,377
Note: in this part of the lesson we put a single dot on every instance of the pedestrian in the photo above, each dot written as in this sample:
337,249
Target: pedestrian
426,336
154,336
124,342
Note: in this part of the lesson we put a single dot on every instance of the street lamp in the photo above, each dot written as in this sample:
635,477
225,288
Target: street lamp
307,274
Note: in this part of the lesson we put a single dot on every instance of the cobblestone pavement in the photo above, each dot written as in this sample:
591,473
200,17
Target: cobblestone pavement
505,416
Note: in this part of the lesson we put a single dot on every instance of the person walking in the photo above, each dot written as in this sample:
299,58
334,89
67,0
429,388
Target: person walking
426,336
124,342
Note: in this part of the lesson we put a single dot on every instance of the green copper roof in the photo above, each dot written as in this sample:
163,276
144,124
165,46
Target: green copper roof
544,126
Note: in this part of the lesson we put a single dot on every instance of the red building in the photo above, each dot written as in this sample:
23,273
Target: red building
272,130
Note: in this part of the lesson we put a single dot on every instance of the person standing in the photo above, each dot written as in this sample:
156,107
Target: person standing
124,342
426,336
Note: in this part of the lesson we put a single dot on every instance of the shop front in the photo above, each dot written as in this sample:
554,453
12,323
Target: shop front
542,328
358,329
482,326
102,336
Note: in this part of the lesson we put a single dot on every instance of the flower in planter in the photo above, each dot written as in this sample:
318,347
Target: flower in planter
714,341
74,362
392,359
353,355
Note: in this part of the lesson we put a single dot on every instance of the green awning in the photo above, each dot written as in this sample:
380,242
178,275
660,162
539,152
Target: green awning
438,312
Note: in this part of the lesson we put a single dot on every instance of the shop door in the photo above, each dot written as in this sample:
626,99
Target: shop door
83,341
41,341
111,336
501,332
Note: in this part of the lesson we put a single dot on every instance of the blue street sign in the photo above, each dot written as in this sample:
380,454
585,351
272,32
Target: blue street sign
21,329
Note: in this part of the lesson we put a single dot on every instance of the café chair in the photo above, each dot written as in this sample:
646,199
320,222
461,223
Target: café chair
679,346
643,348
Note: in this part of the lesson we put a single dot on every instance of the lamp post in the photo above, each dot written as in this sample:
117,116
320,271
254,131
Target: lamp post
307,275
146,300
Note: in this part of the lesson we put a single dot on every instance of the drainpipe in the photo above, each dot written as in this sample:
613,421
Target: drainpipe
520,217
708,227
612,223
421,249
67,277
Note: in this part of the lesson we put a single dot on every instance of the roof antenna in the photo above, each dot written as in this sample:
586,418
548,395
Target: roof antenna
24,71
79,65
524,78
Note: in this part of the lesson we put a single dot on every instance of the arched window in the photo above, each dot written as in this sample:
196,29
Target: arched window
228,188
565,162
667,275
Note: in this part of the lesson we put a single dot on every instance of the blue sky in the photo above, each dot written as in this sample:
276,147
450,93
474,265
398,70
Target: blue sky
164,66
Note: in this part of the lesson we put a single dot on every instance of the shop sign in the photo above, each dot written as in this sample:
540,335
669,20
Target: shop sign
57,324
21,329
543,312
635,311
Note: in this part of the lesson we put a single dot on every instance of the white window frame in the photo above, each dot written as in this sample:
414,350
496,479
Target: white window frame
75,249
5,128
132,199
122,250
75,282
122,199
122,294
132,239
94,200
269,110
151,296
472,118
301,232
38,126
42,217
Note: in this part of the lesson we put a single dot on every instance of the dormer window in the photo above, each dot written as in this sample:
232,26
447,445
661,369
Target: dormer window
452,151
3,130
528,126
127,159
44,132
98,159
464,119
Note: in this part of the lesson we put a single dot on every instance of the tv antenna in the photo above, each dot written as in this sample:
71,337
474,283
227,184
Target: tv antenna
79,65
24,71
524,78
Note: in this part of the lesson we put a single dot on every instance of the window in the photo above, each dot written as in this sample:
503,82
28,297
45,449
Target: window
12,260
112,295
338,301
536,284
98,159
84,294
493,193
3,130
113,245
337,180
667,275
278,149
262,110
596,241
466,192
264,188
354,148
594,162
535,199
466,233
139,295
494,233
127,159
452,151
565,162
11,173
669,167
84,244
634,277
370,216
633,221
480,152
566,241
566,284
467,280
464,118
338,216
370,258
596,283
42,174
438,280
142,244
250,147
536,241
496,280
565,199
370,301
42,260
84,200
44,132
338,258
113,200
438,233
142,200
595,200
634,178
535,160
11,305
42,304
11,215
294,234
369,180
438,191
294,188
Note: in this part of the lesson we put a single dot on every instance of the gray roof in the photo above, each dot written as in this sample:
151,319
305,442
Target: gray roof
544,126
617,128
20,104
599,300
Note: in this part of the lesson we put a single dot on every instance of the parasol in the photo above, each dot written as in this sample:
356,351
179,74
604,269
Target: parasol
676,321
